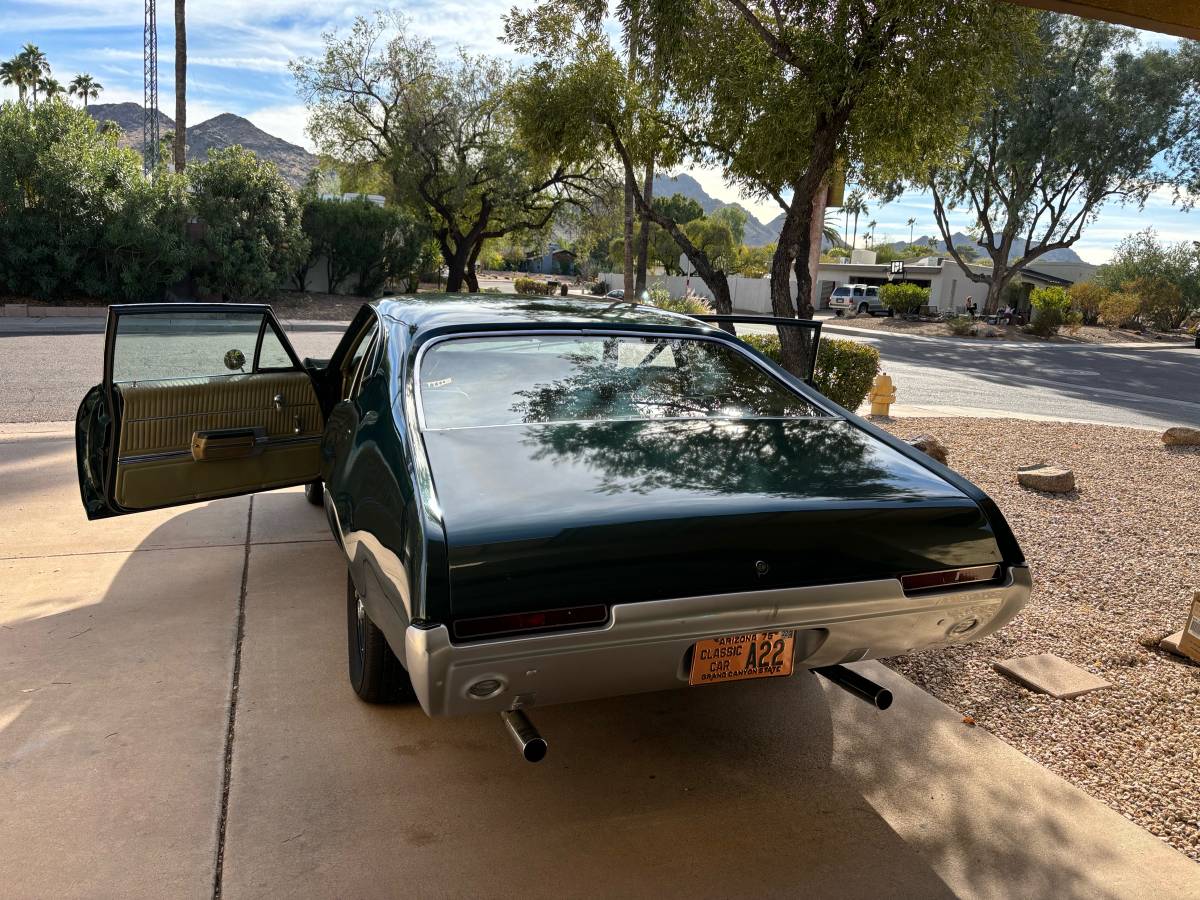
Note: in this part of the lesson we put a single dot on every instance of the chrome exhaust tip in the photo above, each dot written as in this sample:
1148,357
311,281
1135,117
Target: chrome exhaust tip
531,744
853,683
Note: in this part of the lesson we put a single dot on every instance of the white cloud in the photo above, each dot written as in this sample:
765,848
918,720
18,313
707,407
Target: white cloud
284,121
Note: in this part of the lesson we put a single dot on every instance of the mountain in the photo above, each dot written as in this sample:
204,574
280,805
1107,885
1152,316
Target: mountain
958,238
756,234
294,162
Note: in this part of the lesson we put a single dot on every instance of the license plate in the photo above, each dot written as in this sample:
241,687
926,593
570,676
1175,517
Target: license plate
760,654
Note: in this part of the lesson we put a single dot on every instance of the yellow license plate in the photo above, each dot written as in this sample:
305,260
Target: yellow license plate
759,654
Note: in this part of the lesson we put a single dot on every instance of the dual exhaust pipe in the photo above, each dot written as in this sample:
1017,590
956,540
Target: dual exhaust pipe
533,746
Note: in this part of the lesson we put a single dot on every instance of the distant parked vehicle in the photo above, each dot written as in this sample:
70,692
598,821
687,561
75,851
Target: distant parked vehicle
615,295
859,298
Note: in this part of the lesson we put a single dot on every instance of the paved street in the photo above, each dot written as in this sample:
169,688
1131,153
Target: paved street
176,721
47,365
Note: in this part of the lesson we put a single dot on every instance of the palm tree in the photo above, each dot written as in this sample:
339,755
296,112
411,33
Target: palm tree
86,87
911,224
856,205
180,87
50,87
12,72
870,232
36,66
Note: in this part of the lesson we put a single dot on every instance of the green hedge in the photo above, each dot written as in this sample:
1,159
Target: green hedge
903,299
845,369
532,286
361,243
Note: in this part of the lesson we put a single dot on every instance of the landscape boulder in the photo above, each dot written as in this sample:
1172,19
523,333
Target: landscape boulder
1181,436
1052,479
930,446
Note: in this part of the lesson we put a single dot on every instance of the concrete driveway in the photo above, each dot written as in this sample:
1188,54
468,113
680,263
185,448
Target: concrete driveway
175,720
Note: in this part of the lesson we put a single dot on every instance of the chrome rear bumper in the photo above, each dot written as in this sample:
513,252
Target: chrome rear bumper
644,646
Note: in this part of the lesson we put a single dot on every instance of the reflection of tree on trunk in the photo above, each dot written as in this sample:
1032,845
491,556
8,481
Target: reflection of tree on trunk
775,457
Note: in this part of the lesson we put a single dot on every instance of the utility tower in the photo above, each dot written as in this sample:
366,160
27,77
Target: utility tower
150,90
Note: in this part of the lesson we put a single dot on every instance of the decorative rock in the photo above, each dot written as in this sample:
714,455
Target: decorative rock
1181,436
1052,479
1050,674
1171,643
930,446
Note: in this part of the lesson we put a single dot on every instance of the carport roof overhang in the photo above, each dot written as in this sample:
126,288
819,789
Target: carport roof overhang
1178,17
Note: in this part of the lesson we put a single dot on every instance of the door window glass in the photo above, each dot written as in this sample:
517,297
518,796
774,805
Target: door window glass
351,366
189,344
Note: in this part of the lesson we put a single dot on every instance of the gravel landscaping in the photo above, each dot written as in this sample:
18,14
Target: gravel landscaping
1086,334
1114,564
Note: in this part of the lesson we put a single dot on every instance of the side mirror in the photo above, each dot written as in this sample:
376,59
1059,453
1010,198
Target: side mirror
235,360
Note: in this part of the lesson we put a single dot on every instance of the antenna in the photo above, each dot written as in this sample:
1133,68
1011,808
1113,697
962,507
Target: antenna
150,90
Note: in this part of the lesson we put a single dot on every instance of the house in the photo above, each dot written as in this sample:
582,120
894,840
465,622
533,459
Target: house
555,261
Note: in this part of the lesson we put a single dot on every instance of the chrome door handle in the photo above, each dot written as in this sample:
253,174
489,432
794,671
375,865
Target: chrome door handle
280,400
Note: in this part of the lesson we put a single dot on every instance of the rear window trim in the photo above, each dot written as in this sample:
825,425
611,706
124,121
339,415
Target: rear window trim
734,344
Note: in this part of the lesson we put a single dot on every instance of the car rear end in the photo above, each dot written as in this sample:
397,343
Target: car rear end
592,551
841,299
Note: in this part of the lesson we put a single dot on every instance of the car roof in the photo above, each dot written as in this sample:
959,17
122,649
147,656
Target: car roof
426,312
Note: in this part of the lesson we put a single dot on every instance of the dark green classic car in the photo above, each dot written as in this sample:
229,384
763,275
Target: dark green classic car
543,501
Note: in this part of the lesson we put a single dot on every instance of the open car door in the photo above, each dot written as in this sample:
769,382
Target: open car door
199,401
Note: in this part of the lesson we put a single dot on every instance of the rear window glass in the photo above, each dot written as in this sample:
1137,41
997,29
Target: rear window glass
469,382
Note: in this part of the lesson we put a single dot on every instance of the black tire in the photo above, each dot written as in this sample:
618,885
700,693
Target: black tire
375,673
839,313
863,308
314,493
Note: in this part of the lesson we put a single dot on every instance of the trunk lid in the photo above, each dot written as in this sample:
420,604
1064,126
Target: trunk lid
561,515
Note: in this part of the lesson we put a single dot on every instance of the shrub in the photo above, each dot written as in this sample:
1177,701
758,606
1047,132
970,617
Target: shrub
845,369
689,304
252,240
963,326
362,241
599,288
1160,301
1051,307
904,299
77,215
1120,309
532,286
1088,297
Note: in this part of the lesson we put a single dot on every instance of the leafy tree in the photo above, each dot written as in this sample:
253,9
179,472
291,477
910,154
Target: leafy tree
735,217
1051,309
86,88
445,134
1082,122
755,262
1159,301
1143,258
252,240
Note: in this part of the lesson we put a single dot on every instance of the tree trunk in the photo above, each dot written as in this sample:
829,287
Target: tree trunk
456,258
471,278
807,263
627,266
180,86
643,247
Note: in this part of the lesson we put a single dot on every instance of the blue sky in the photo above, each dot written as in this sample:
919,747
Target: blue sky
238,53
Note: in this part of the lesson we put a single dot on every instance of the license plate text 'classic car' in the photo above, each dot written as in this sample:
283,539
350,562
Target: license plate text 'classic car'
760,654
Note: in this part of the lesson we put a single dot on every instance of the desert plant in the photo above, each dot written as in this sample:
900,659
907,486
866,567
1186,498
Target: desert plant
845,369
1051,307
963,326
1119,309
904,299
1088,297
599,288
362,241
1160,301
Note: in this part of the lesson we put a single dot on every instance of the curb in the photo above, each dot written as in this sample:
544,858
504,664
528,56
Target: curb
25,311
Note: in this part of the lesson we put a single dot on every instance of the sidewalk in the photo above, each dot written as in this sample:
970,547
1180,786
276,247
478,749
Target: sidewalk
121,641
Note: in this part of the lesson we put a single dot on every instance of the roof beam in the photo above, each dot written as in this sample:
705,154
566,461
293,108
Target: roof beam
1178,17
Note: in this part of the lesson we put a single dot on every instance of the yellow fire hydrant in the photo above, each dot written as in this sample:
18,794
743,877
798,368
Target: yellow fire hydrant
883,394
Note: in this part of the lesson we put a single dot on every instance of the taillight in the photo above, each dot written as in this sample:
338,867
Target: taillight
934,581
492,626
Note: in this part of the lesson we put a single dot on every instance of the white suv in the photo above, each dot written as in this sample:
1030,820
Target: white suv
859,298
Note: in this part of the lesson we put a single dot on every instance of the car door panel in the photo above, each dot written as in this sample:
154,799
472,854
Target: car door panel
157,436
157,463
